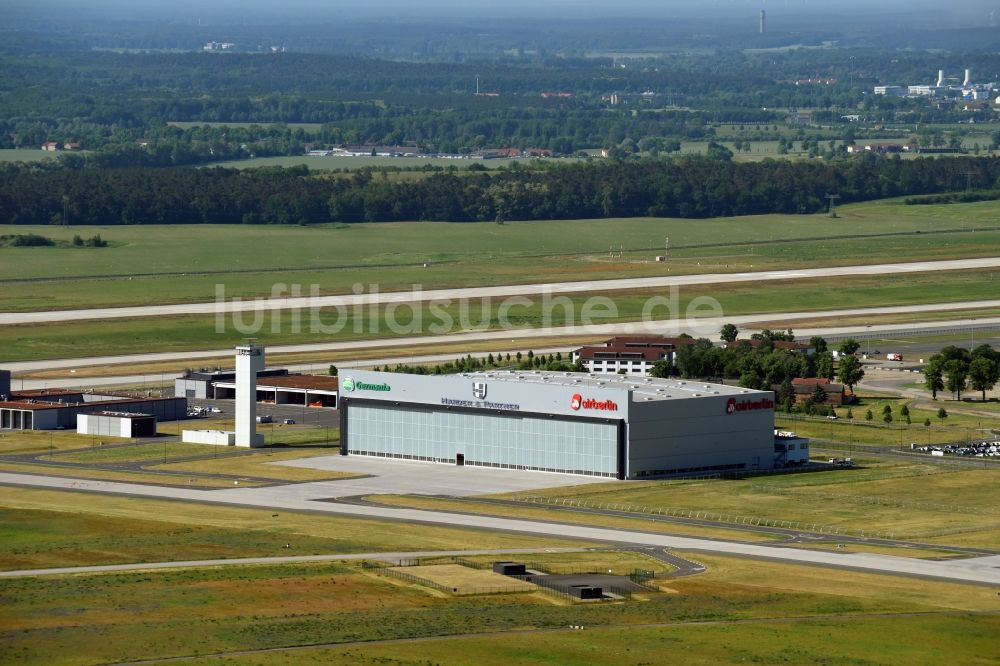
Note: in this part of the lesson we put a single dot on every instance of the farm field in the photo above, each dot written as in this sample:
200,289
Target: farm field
767,611
95,337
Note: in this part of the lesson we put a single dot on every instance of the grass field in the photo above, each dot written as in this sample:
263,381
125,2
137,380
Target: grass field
464,580
530,512
188,332
26,155
875,640
911,501
755,611
146,462
320,163
191,260
61,528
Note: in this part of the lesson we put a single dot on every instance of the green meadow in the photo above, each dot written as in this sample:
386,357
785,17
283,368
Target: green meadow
185,262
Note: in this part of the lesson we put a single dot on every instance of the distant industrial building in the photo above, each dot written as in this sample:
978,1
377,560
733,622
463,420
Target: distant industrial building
613,426
942,87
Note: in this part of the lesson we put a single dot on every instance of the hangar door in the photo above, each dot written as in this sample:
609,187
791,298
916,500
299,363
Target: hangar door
578,446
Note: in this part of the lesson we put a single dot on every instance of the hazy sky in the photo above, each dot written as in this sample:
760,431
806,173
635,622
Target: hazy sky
411,9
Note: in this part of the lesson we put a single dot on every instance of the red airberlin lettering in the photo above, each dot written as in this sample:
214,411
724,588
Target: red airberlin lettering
578,402
748,405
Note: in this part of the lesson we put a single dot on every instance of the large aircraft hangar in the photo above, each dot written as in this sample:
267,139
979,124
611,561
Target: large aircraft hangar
597,425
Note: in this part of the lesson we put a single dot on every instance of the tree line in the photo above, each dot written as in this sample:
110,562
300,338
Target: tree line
686,187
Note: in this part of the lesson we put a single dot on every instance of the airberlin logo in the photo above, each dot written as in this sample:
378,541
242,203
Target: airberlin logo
748,405
578,402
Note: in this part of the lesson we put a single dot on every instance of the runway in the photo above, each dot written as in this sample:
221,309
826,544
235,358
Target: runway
349,301
701,327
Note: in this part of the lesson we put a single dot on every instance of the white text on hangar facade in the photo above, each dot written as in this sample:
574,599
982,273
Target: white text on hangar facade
597,425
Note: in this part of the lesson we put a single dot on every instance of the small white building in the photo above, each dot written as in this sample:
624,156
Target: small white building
116,424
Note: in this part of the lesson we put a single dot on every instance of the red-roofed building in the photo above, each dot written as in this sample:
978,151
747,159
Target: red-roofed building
803,387
629,354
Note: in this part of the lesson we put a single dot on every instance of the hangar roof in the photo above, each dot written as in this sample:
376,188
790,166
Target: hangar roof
642,388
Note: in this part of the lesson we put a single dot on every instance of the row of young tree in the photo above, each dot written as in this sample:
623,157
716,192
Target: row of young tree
957,369
518,361
688,187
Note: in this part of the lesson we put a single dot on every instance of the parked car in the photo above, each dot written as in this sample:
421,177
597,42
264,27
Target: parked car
289,421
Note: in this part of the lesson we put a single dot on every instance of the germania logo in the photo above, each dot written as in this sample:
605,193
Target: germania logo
578,402
350,385
732,406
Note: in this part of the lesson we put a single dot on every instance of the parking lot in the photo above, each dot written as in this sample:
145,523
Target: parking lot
320,417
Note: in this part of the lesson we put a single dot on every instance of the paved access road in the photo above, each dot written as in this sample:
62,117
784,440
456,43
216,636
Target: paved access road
293,559
552,289
301,497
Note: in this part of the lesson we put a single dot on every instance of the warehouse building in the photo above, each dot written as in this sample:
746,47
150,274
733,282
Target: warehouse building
612,426
274,386
49,409
116,424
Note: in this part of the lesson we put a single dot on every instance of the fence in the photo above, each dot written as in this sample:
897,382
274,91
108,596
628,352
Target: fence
559,589
873,499
563,589
710,516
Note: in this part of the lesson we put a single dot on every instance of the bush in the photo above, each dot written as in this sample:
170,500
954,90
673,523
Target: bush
27,240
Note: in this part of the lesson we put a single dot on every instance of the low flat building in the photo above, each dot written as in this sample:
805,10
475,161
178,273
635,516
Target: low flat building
116,424
49,409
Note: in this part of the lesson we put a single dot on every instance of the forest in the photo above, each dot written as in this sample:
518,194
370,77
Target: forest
685,186
111,102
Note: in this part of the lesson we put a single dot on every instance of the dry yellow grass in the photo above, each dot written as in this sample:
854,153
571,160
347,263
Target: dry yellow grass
261,465
85,474
465,580
321,359
536,512
896,551
355,535
743,574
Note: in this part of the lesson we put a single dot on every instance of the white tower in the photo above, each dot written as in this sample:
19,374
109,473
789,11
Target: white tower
249,361
763,15
968,79
940,79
